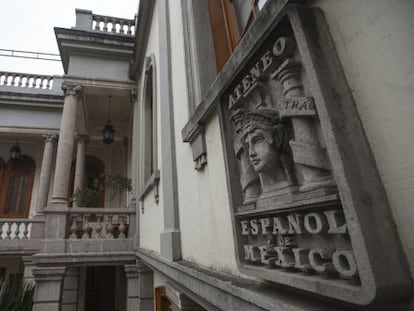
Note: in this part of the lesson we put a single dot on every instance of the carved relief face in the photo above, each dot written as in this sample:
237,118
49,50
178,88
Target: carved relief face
259,146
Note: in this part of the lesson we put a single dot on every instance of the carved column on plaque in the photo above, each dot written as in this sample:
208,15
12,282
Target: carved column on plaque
307,151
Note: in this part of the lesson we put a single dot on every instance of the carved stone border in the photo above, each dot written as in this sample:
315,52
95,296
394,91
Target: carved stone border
383,270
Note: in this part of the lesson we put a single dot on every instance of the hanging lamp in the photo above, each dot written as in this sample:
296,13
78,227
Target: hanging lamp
15,151
108,132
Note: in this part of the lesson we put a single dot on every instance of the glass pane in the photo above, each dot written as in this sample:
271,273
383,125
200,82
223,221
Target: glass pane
261,3
242,8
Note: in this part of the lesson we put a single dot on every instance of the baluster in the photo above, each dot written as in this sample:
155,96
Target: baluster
113,22
86,227
121,227
16,230
9,231
96,24
37,82
42,82
98,228
73,228
129,31
109,228
50,83
25,231
105,27
20,82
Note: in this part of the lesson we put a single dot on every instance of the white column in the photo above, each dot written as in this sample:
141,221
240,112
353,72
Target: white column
45,172
65,145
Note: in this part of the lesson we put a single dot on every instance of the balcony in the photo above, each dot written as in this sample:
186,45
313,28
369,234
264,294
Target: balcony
20,236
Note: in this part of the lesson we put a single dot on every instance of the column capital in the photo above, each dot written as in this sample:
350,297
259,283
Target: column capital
50,138
82,138
71,89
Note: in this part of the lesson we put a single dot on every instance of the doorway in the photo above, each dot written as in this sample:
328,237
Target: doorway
100,289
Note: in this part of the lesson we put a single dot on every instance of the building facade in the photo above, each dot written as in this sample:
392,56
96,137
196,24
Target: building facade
266,142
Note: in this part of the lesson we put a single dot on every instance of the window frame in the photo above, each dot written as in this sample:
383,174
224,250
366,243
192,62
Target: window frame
7,173
149,171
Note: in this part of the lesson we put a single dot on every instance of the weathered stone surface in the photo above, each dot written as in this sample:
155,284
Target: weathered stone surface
309,207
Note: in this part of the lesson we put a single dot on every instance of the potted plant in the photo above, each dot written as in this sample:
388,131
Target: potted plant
85,197
117,185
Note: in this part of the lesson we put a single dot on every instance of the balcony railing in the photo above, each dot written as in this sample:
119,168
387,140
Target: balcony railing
86,20
19,82
113,24
17,228
26,80
100,223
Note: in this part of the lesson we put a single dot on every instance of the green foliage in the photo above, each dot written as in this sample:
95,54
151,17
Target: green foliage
85,197
117,184
15,295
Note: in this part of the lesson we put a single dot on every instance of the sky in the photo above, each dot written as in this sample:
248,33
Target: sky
27,25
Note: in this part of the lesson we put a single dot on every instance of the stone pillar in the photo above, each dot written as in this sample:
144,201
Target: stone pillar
70,289
48,289
45,172
145,287
65,145
132,294
180,301
28,270
80,164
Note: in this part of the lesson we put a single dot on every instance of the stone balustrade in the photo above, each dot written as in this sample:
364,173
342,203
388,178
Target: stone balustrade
99,223
16,228
26,80
113,25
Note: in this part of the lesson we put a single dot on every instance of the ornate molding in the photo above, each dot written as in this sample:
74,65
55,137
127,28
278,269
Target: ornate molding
50,138
71,89
309,209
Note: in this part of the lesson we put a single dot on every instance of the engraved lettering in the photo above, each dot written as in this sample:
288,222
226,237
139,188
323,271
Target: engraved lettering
313,223
267,254
265,224
266,60
277,226
251,253
336,222
246,82
294,224
344,263
301,259
244,227
254,228
318,259
285,257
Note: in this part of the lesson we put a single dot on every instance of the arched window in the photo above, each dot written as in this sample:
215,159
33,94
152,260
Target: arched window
150,120
162,303
16,187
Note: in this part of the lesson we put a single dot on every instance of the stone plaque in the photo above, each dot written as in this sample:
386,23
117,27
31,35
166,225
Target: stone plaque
308,205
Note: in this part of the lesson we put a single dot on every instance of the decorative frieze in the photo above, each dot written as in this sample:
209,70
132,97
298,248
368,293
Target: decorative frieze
303,187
